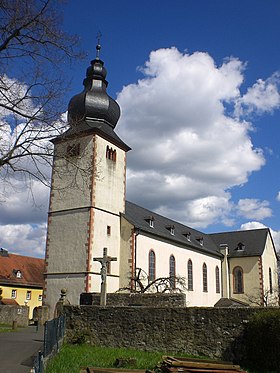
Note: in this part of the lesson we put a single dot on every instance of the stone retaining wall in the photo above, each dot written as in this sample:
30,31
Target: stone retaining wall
20,314
213,332
136,299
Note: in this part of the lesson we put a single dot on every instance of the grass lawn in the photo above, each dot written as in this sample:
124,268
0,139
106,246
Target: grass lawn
6,328
72,357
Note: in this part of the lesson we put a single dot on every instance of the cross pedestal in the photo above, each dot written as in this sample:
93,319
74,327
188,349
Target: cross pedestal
104,261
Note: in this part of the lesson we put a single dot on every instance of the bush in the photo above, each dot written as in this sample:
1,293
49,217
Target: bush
262,341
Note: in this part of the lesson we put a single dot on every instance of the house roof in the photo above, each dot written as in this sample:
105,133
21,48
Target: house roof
8,302
31,270
243,243
163,227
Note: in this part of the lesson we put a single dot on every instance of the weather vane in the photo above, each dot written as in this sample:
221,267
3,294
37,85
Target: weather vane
98,46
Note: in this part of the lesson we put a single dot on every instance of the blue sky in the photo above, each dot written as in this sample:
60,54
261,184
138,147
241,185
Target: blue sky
201,112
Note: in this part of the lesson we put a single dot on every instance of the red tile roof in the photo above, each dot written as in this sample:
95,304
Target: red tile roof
9,302
31,269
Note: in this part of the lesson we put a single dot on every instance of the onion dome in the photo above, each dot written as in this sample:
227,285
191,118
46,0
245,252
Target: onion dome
93,103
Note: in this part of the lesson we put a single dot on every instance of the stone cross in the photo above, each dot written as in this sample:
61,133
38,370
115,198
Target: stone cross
104,261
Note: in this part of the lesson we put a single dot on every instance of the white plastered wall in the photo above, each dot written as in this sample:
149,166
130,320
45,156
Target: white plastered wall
71,186
110,178
101,239
163,250
251,278
269,260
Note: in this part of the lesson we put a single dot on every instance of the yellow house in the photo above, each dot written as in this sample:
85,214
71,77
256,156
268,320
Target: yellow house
249,267
21,280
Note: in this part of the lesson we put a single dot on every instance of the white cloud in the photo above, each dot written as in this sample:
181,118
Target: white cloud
258,225
186,148
278,197
262,97
252,208
25,239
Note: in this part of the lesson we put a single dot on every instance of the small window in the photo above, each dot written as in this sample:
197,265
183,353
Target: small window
18,274
111,154
73,150
152,265
190,275
171,229
150,220
240,247
108,230
14,294
204,278
217,274
270,281
172,272
188,235
28,295
200,240
40,297
238,285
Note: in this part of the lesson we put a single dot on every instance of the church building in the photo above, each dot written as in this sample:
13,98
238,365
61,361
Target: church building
88,212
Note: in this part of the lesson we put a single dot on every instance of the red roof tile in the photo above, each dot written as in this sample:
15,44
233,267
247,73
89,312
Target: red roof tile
9,302
31,269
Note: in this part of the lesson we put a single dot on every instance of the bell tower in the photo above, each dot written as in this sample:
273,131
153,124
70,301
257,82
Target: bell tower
87,194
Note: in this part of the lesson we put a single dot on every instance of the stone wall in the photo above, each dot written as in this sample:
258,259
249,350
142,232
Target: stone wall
136,299
213,332
20,314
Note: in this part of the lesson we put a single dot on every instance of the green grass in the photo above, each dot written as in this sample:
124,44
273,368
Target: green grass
72,357
6,328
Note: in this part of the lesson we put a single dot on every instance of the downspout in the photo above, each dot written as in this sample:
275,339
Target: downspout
226,288
136,233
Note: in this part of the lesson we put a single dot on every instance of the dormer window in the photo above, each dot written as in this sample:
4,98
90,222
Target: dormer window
240,247
171,229
17,273
150,220
200,240
188,236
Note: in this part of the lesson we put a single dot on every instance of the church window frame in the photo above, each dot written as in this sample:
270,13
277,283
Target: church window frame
218,281
172,271
270,280
238,280
152,266
190,275
204,278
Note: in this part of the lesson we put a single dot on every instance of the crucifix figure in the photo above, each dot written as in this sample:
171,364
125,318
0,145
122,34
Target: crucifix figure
104,261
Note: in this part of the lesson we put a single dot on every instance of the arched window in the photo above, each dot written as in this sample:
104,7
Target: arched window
204,277
190,275
238,285
217,274
172,271
152,265
270,281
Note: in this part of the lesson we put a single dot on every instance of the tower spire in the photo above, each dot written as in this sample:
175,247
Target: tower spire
98,46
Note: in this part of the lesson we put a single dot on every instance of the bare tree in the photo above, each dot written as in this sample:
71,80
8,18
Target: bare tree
270,297
33,51
140,283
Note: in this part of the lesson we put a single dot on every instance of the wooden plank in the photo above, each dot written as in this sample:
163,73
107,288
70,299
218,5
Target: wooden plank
109,370
195,364
174,358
